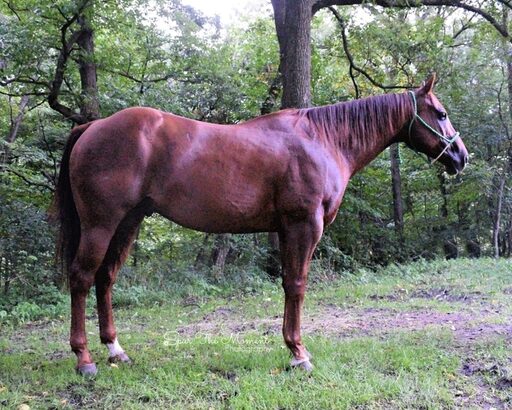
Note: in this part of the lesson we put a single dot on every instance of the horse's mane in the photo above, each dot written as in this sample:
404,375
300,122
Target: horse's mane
356,124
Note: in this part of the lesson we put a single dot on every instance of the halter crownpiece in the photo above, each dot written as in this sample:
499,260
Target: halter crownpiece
448,140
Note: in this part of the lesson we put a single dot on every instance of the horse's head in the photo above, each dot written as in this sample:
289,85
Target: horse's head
431,132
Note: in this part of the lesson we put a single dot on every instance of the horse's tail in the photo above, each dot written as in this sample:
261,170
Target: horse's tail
63,209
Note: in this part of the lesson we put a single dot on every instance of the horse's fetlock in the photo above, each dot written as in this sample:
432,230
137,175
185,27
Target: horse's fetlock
107,337
78,345
291,341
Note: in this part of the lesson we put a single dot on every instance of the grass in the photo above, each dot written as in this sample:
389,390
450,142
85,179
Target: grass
241,373
227,352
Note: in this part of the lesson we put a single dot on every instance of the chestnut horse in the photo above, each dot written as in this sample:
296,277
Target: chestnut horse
284,172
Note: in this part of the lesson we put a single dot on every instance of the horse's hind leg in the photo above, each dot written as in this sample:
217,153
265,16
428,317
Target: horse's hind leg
93,245
117,253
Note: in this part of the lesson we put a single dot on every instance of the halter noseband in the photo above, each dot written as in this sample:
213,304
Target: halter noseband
448,140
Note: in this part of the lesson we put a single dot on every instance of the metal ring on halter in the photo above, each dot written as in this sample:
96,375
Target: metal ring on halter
448,140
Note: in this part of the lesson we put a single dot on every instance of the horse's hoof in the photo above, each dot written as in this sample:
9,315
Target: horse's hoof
87,370
303,364
120,358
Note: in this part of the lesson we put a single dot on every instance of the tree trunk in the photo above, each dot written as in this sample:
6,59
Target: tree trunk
293,27
509,239
497,218
296,58
16,122
89,104
135,249
14,128
273,265
219,254
201,257
449,241
272,95
396,183
444,195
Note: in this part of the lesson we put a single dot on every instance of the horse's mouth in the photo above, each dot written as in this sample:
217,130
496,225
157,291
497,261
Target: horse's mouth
452,170
456,164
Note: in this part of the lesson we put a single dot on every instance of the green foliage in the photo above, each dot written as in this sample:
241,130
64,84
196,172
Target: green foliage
27,270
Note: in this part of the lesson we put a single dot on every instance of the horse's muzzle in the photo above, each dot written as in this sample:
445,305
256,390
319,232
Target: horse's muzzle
457,160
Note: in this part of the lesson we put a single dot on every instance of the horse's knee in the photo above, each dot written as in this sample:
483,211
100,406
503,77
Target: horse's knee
80,281
294,287
104,280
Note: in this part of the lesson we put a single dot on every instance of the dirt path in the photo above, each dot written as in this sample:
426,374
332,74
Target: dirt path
482,321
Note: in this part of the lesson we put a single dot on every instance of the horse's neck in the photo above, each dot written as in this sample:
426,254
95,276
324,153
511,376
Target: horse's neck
359,158
365,148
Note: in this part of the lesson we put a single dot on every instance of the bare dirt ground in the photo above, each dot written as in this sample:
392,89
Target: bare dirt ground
483,320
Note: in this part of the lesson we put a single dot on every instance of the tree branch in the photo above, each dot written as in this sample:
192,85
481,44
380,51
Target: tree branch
506,3
58,79
165,77
139,80
465,25
272,94
28,180
23,80
34,93
353,66
67,47
36,105
51,178
16,122
504,123
503,30
13,9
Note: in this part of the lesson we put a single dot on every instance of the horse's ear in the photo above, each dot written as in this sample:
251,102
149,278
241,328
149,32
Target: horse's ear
428,85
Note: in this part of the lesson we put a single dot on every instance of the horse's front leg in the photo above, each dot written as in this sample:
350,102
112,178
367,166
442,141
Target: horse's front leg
298,239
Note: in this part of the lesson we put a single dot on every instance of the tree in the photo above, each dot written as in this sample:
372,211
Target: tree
293,28
76,38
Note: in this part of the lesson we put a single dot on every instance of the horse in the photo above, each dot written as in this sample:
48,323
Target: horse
284,172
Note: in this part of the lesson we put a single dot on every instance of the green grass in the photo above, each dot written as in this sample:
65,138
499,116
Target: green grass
187,355
244,372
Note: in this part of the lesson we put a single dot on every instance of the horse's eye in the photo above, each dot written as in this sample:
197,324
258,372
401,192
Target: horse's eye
442,116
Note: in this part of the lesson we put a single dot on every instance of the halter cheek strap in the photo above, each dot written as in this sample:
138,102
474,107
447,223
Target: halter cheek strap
448,140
